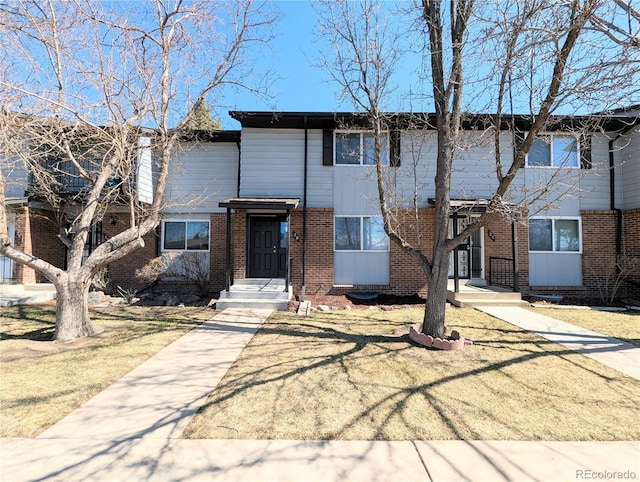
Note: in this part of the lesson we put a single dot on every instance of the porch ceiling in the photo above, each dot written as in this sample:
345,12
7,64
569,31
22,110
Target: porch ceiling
260,203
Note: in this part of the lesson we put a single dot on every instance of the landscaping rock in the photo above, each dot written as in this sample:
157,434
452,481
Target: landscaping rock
190,298
95,296
323,308
172,300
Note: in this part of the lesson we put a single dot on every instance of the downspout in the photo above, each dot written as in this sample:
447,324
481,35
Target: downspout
612,194
239,161
304,211
612,201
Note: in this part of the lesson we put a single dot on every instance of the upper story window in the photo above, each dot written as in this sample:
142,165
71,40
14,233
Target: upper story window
554,151
358,148
554,235
360,233
185,235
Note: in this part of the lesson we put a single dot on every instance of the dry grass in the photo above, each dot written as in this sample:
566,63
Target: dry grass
622,325
354,375
42,381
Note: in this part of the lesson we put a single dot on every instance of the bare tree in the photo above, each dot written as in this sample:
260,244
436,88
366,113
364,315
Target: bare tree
98,95
538,57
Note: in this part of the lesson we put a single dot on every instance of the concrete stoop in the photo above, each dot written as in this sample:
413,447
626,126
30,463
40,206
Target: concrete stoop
485,296
256,293
13,295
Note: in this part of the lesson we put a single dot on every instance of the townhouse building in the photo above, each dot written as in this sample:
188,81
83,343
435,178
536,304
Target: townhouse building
293,197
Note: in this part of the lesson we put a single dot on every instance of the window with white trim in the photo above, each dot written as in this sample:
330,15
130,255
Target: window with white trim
554,151
185,235
552,235
360,233
358,148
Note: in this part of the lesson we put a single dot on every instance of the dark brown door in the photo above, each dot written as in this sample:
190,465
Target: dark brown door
264,247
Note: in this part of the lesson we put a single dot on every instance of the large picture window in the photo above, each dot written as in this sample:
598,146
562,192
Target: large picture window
185,236
360,233
554,235
358,148
553,151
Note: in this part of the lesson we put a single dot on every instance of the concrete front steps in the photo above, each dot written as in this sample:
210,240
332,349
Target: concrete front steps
267,293
469,295
13,295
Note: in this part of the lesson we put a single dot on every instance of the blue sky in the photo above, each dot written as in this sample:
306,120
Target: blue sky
300,86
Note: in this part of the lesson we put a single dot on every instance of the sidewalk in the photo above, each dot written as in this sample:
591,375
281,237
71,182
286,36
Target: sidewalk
131,431
614,353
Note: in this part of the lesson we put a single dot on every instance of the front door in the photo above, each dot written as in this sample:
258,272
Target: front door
268,242
470,253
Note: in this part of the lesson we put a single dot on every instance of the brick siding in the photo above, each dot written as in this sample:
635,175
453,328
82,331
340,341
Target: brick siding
122,272
37,235
501,246
631,248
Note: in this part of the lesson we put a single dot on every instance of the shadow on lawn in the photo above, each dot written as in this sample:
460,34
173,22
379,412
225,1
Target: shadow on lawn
394,402
42,319
37,323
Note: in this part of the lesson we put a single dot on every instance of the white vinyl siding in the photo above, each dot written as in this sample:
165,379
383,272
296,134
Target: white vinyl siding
144,174
593,193
630,170
556,269
473,172
273,166
361,268
355,190
201,176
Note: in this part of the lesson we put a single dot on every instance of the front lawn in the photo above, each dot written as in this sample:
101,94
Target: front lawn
354,375
41,381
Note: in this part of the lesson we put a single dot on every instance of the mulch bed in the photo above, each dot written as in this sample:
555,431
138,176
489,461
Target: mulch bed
341,302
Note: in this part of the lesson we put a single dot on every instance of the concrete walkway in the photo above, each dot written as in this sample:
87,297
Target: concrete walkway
614,353
130,432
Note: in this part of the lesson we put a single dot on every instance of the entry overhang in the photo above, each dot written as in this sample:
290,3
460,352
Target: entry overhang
271,204
465,205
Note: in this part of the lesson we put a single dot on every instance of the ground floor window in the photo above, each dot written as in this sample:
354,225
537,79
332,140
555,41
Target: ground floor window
185,235
360,233
556,234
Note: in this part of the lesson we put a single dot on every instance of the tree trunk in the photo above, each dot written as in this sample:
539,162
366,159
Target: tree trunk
72,309
433,323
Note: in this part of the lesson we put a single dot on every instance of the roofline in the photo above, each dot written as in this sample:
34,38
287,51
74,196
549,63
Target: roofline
211,136
333,120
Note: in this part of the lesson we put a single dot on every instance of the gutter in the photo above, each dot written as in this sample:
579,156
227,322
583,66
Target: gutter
239,166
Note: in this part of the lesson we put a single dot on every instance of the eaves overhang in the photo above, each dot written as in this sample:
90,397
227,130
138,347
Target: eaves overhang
425,120
262,204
